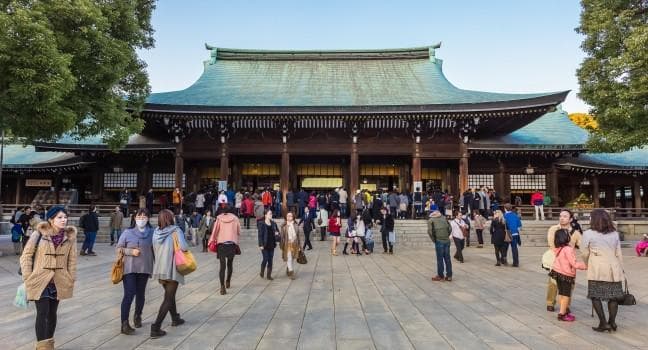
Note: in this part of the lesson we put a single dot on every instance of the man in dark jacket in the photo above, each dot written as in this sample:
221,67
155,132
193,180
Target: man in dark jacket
439,231
90,225
386,223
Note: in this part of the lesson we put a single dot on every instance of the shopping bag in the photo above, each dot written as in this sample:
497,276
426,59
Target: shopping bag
21,297
185,261
392,237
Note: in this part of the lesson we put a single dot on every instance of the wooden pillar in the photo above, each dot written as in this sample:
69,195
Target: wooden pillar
224,163
463,167
57,187
595,191
179,165
143,179
20,183
610,196
553,186
354,176
636,194
416,165
194,179
500,181
285,177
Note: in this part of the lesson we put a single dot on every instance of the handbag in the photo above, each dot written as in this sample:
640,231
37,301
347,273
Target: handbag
237,249
184,261
628,299
319,219
507,235
301,258
123,201
392,237
117,271
212,247
548,259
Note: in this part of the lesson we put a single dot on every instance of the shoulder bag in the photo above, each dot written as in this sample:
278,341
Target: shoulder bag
117,272
185,261
628,299
507,235
301,258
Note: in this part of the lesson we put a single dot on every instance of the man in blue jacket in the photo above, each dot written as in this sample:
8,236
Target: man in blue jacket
513,224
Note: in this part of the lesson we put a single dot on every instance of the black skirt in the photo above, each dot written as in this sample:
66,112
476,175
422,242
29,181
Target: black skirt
226,251
605,290
565,283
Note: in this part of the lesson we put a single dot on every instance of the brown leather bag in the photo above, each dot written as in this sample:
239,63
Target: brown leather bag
117,272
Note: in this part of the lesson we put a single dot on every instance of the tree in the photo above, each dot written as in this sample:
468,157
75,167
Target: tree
583,120
614,75
71,67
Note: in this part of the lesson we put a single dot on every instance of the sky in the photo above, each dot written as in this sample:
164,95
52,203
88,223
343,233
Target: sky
500,45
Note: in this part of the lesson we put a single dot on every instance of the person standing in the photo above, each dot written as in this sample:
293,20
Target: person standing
334,228
565,220
458,226
513,224
247,210
439,231
268,235
563,271
601,252
164,269
150,196
307,225
290,243
136,243
124,201
200,203
343,198
90,225
49,280
386,222
403,204
537,200
479,223
393,203
205,229
498,235
176,198
322,222
259,209
226,235
116,222
194,222
238,202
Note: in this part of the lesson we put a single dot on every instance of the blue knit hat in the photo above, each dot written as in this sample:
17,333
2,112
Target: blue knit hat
53,211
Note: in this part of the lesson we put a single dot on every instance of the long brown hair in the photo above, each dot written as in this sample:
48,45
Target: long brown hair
600,221
165,218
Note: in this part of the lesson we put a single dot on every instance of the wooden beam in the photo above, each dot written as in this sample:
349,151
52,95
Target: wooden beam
179,165
636,194
224,163
354,176
595,191
285,176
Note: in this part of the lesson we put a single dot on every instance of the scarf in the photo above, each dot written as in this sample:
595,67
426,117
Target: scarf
58,238
291,232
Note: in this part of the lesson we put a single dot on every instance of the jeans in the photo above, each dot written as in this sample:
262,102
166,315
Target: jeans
385,241
268,255
89,241
392,211
459,244
114,232
168,303
46,318
301,211
277,209
515,241
443,256
343,209
134,288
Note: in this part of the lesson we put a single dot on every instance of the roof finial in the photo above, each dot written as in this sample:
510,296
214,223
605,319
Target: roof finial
214,52
432,49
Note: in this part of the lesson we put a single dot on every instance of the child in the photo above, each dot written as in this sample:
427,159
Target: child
642,246
564,272
350,236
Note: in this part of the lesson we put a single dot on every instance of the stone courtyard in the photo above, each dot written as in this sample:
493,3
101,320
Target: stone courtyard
344,302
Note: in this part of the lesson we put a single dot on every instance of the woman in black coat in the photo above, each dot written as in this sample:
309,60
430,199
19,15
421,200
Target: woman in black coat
498,233
268,239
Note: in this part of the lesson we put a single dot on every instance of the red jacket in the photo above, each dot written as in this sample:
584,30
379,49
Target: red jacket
247,207
266,198
537,198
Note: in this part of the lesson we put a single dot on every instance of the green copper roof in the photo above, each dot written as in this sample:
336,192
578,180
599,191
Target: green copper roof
18,156
257,78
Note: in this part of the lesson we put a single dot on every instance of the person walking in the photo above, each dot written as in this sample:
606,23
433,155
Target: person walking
565,221
498,235
194,222
226,234
601,250
116,222
513,224
563,271
90,225
322,222
458,227
164,269
290,243
440,231
247,210
259,210
307,226
238,202
268,235
136,245
49,280
205,228
334,228
480,223
386,222
176,198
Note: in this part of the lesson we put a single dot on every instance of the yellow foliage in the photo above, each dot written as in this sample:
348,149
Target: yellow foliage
583,120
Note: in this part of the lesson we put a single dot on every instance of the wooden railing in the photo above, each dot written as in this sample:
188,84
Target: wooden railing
551,212
103,209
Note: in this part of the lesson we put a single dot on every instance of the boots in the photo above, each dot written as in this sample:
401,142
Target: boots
126,328
227,284
176,320
270,274
47,344
613,308
603,325
156,332
263,271
291,275
137,321
344,252
223,291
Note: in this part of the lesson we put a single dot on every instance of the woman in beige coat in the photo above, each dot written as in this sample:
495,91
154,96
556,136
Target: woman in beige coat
290,243
48,266
601,249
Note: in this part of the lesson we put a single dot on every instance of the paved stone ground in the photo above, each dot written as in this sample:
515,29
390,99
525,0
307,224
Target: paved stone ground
368,302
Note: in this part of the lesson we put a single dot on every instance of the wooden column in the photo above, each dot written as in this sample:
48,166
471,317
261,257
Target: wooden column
500,181
20,183
179,165
285,177
142,179
610,196
463,167
553,186
416,165
595,191
354,176
224,163
636,194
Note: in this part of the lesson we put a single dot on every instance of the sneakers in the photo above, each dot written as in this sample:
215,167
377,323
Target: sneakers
82,253
550,308
448,279
92,253
566,318
437,279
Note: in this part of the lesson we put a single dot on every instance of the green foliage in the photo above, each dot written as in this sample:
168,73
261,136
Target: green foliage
614,75
70,66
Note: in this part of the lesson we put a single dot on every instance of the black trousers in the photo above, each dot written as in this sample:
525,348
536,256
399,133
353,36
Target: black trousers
500,253
168,303
225,262
246,221
480,236
46,318
323,233
307,242
459,244
385,241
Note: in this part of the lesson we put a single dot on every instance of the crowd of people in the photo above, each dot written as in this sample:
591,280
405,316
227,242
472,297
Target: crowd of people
148,253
